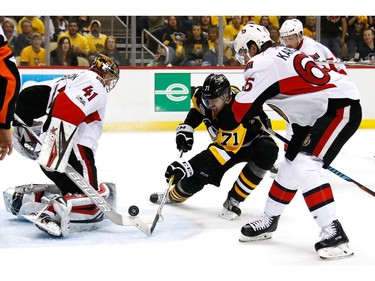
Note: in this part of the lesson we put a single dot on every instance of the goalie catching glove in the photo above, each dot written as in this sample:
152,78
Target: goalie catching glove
24,142
184,137
57,145
179,169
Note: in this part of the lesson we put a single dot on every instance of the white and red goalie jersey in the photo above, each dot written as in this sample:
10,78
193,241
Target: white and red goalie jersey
77,108
80,99
292,84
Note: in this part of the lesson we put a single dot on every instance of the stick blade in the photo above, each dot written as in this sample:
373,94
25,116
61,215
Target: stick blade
138,223
154,223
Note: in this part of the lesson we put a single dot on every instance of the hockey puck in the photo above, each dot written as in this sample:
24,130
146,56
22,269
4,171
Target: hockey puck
154,198
133,210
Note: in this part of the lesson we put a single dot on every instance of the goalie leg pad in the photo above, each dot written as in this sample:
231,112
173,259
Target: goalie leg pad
112,197
83,210
12,201
63,209
15,201
23,199
30,208
57,145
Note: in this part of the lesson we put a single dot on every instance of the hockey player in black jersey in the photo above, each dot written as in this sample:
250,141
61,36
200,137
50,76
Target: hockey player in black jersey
232,143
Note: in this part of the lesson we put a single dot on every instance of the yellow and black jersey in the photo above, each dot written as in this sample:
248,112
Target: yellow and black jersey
228,135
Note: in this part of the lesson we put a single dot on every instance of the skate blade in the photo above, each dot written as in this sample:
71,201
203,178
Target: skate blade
264,236
228,215
333,253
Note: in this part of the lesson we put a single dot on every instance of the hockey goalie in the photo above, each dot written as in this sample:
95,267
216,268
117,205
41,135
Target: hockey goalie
67,114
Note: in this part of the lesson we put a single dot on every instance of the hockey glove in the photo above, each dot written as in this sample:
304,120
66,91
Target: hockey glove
263,120
180,169
24,142
297,141
184,137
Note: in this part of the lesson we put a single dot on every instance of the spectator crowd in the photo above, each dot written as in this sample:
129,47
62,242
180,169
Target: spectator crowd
180,40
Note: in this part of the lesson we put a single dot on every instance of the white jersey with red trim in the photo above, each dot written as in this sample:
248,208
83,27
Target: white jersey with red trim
292,84
81,100
321,54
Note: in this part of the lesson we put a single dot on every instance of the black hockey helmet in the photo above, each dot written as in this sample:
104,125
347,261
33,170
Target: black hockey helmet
216,86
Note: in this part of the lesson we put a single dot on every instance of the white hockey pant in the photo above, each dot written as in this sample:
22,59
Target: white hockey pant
304,173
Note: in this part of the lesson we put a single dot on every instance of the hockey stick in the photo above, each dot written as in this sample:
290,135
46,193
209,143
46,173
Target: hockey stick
359,63
164,199
91,193
330,168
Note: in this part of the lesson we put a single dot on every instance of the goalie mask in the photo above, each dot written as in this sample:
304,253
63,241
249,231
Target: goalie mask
250,32
215,86
106,69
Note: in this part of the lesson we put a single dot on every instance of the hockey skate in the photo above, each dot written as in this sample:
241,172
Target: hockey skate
259,229
45,223
230,209
334,242
157,197
54,225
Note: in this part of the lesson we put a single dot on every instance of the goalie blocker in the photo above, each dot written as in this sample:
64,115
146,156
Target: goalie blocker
57,145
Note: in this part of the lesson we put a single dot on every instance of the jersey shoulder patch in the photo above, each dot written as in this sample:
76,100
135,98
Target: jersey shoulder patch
235,89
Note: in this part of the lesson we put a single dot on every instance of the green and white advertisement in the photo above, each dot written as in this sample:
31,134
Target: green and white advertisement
172,91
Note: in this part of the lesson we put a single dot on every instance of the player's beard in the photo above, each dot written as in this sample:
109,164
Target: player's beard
215,111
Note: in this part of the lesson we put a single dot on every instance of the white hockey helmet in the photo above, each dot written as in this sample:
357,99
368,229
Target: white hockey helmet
250,32
290,27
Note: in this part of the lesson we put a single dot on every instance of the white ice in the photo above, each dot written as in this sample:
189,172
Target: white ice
192,243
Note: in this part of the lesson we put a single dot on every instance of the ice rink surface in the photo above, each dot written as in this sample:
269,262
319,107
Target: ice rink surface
192,243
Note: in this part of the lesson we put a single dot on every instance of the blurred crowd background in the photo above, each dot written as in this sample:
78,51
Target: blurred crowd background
168,40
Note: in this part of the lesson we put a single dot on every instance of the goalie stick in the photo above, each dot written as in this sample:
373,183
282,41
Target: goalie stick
330,168
91,193
164,199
